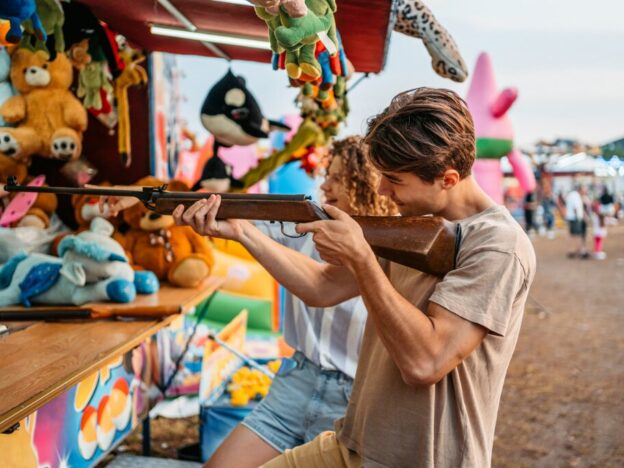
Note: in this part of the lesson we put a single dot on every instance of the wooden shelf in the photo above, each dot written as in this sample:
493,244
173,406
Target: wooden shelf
41,360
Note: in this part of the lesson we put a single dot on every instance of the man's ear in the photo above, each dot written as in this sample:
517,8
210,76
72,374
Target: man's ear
450,179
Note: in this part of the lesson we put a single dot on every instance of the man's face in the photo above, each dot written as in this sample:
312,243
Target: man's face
333,188
412,195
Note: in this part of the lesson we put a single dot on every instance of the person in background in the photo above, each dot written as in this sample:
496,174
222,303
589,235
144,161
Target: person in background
575,216
549,205
606,205
530,204
599,230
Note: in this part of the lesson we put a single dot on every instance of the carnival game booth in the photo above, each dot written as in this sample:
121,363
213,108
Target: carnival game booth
84,104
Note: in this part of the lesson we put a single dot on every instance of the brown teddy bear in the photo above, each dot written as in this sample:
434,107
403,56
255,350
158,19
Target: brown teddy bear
50,118
38,215
153,242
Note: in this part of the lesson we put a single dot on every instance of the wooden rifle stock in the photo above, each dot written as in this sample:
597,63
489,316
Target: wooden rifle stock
426,243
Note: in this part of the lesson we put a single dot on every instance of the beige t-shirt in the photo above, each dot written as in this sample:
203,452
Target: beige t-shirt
451,423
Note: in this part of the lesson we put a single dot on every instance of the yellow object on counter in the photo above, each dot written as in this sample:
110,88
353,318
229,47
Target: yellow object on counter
248,384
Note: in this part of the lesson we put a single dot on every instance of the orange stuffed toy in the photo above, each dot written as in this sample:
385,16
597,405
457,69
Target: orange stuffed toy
38,215
174,253
85,209
50,119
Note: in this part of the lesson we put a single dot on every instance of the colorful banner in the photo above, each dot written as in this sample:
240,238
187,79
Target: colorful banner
219,363
81,425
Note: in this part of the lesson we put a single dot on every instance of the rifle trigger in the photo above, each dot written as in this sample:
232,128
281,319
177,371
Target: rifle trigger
289,235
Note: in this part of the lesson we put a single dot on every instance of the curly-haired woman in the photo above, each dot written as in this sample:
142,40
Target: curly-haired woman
312,390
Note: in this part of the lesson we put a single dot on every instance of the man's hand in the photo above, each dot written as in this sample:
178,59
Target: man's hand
3,193
201,216
340,241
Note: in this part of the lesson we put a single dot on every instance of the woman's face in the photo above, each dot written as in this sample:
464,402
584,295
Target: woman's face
333,189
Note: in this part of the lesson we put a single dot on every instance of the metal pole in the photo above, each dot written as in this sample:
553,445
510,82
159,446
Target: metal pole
241,356
188,24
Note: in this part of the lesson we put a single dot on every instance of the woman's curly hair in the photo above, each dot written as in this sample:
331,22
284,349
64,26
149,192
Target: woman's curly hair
360,178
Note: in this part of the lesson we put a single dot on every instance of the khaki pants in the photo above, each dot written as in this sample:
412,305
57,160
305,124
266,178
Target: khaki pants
324,451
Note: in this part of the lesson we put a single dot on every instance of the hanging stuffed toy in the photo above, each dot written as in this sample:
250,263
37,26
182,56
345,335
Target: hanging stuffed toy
308,135
80,24
6,89
52,18
294,37
414,19
50,118
231,113
92,268
132,75
91,42
18,11
294,8
5,26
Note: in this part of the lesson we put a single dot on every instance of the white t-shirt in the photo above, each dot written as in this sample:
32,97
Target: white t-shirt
574,206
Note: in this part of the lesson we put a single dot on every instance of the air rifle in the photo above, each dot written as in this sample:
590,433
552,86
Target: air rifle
426,243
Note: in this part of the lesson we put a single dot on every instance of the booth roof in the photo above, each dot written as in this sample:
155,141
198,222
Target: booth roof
364,26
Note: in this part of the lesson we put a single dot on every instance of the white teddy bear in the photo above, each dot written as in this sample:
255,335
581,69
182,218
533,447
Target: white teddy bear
92,268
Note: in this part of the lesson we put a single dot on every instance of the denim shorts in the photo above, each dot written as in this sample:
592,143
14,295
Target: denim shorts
304,400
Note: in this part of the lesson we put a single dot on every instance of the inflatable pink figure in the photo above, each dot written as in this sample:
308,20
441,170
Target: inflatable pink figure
494,131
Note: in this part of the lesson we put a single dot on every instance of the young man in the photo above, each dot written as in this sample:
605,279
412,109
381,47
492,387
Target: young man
435,352
307,396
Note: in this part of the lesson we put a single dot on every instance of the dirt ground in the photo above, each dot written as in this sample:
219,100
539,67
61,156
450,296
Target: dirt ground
563,402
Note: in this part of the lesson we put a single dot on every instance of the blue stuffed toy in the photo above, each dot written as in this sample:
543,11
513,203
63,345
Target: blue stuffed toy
92,268
18,11
6,88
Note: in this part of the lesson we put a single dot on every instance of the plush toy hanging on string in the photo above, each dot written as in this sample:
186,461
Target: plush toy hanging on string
133,74
415,19
52,19
18,11
94,51
232,115
308,135
294,29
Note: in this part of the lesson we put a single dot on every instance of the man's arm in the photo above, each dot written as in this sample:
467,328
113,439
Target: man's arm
318,285
425,347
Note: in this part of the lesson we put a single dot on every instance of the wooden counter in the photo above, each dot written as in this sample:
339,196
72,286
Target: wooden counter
40,360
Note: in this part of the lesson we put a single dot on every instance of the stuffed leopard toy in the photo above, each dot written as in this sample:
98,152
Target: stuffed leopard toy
413,18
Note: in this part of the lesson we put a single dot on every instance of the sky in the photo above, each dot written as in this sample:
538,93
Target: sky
566,57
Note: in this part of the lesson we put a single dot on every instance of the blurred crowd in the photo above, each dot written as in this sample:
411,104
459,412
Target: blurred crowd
585,209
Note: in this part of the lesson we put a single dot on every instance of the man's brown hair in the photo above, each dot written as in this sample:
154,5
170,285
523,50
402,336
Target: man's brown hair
424,131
